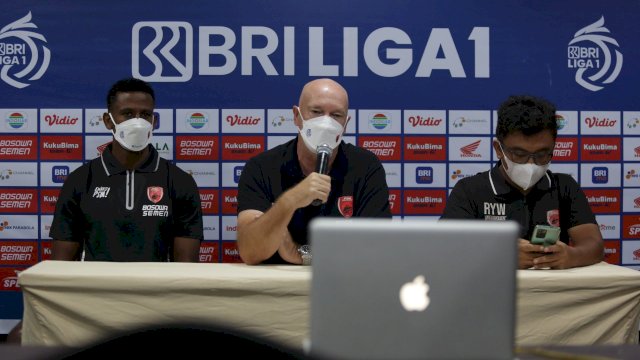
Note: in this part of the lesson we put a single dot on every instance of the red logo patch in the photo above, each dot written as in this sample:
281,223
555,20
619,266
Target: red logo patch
553,218
155,193
345,205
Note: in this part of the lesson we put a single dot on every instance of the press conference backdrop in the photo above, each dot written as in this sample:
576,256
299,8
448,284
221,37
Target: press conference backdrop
424,78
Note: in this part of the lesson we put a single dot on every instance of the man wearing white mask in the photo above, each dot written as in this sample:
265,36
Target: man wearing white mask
278,188
128,204
521,188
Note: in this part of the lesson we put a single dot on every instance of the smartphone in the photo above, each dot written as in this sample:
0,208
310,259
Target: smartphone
545,235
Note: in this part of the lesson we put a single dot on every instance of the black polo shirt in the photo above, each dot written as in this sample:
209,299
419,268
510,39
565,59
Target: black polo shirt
556,199
358,186
123,215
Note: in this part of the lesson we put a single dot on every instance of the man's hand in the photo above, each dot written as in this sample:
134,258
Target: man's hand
314,186
527,253
556,256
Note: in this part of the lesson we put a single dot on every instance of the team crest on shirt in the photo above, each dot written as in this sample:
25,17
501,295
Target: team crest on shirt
155,193
345,206
553,217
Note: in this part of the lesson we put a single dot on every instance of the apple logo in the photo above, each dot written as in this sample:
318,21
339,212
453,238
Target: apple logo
413,295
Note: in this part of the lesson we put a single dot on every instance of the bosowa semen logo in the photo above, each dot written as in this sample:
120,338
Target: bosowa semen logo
175,39
23,54
590,52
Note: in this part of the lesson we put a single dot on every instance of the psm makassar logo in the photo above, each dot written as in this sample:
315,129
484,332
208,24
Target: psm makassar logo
595,56
23,55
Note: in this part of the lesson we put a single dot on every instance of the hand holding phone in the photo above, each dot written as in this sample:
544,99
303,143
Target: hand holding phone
545,235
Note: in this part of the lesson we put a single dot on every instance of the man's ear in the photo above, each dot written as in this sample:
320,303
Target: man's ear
297,119
497,149
107,121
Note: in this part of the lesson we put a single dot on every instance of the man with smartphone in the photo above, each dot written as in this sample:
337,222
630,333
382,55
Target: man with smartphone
521,188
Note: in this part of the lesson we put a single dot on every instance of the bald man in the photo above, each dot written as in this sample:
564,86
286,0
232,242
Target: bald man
277,188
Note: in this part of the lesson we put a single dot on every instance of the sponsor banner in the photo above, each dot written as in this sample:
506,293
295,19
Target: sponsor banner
474,148
379,122
603,201
631,148
425,175
566,149
163,121
631,226
565,168
19,120
567,122
45,226
95,145
209,201
14,147
18,200
273,141
631,200
281,121
18,226
631,172
609,226
45,250
60,120
231,174
424,201
18,252
230,201
386,148
192,147
242,147
229,227
164,146
61,147
93,122
203,121
243,121
9,279
18,174
600,123
211,227
600,149
631,122
208,252
469,122
205,174
600,175
458,171
425,148
55,173
425,122
230,252
393,172
395,202
631,252
612,252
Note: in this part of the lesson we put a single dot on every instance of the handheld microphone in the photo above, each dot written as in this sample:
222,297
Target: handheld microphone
322,164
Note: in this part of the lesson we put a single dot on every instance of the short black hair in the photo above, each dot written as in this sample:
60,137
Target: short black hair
526,114
129,85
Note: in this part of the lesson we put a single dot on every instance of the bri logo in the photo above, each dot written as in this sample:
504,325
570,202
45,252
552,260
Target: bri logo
424,175
600,175
59,174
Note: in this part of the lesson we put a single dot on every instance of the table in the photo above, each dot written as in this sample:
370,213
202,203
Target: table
597,304
77,303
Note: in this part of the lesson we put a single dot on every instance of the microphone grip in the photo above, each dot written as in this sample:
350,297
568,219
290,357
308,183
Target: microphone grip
322,165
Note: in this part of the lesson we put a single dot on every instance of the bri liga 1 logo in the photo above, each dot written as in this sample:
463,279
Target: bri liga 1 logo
24,57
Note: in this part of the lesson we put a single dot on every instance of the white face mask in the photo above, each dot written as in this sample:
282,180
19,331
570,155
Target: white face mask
524,175
133,134
321,130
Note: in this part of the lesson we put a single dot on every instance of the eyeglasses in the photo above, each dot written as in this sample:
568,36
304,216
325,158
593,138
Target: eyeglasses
522,157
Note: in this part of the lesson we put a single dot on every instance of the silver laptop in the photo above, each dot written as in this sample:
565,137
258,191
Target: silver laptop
392,289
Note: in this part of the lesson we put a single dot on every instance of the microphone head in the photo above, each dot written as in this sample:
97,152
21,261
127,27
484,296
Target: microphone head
323,148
